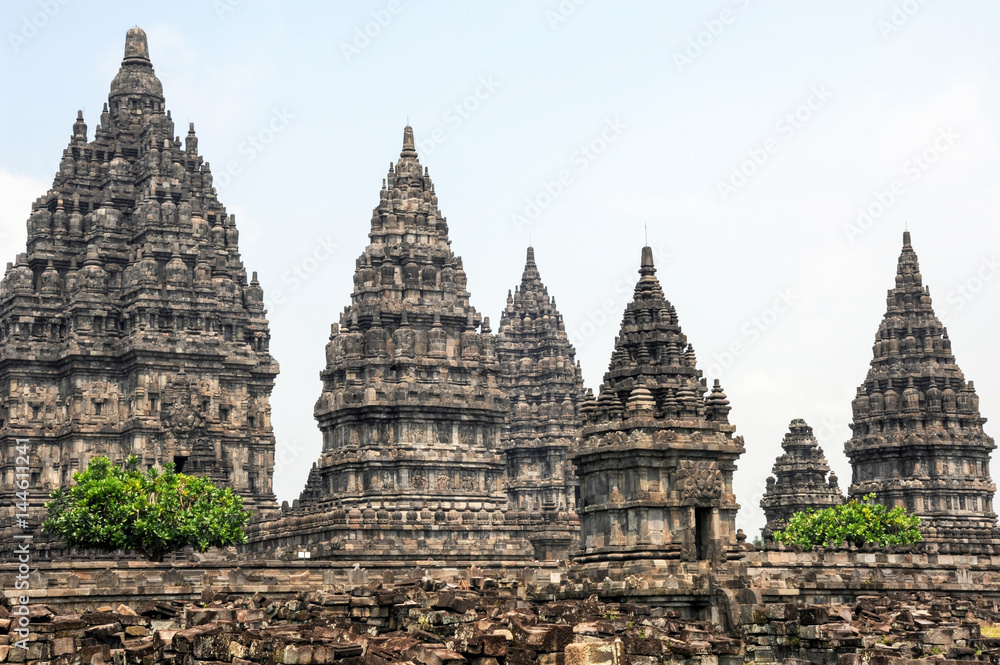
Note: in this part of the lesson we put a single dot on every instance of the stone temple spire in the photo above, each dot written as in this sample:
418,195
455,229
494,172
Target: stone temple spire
411,411
146,336
656,455
918,438
545,387
800,479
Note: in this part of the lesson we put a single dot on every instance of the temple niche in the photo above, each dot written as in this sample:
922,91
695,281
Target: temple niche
657,453
411,410
545,388
801,480
129,325
917,435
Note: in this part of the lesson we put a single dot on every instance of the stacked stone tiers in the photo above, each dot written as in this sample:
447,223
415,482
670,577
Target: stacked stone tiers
917,434
657,452
799,481
129,326
545,387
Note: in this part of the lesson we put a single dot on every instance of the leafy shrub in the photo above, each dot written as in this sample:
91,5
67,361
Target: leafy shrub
156,512
855,522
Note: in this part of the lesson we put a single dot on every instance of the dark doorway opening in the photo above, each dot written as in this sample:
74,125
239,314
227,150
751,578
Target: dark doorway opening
179,462
702,532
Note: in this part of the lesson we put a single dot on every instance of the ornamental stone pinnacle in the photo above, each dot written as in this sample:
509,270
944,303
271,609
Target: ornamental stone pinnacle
918,439
800,479
128,326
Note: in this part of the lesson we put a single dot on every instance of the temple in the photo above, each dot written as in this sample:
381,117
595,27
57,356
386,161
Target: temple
545,386
412,410
657,452
799,481
128,326
918,439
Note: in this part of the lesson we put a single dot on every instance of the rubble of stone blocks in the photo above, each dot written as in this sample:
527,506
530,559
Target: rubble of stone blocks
894,629
418,621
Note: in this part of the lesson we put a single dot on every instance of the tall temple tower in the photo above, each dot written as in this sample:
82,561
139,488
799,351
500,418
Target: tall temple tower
545,387
656,455
411,409
918,439
128,326
800,479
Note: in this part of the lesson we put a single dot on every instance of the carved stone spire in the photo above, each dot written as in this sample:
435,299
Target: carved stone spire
800,479
918,438
411,411
655,457
121,244
545,387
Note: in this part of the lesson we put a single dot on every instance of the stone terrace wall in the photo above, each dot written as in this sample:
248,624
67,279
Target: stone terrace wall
83,584
831,576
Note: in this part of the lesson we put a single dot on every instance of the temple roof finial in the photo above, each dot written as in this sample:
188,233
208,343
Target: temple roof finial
408,148
647,267
136,47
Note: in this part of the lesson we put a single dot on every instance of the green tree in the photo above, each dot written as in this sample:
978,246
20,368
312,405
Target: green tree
156,512
855,522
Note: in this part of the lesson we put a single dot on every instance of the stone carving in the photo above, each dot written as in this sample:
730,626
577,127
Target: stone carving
698,484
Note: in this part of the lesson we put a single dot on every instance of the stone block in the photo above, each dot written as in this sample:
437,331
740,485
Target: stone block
595,653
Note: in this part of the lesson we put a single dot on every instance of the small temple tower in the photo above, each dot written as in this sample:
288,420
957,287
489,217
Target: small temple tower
918,438
799,481
129,325
545,387
411,409
657,453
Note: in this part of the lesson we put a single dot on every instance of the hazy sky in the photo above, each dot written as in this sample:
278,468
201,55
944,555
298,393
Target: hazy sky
746,134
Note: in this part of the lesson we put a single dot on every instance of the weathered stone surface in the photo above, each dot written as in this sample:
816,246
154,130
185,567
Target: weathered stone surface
918,439
411,410
656,455
545,387
128,326
799,481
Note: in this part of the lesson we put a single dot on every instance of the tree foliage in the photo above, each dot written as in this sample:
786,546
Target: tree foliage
156,512
855,522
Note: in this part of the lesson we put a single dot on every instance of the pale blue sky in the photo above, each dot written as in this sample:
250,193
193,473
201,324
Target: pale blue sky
886,80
